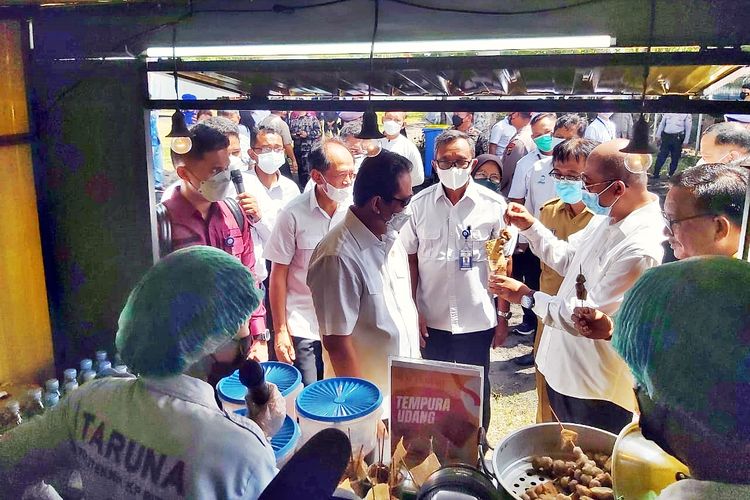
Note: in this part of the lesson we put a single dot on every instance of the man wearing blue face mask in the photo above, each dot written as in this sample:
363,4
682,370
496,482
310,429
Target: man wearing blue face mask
588,383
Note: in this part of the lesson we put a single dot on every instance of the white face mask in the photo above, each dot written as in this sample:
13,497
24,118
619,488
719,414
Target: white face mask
271,162
236,163
398,220
556,141
339,195
453,178
358,162
216,187
391,128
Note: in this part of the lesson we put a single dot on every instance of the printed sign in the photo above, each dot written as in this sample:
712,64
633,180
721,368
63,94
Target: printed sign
435,407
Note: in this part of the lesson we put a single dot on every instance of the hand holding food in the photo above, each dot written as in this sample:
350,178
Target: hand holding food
519,216
592,323
495,248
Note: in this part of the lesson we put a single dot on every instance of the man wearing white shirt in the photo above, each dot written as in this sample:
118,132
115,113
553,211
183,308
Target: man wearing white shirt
359,278
588,383
394,141
299,228
459,321
602,129
266,190
673,134
500,135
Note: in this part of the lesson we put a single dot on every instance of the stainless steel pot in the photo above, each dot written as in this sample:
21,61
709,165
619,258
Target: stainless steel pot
458,481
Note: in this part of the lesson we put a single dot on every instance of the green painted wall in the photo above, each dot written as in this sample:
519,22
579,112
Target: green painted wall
93,185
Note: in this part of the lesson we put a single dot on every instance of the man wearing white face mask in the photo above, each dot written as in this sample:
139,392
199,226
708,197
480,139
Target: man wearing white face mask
348,136
725,143
267,191
394,141
445,240
199,215
299,228
602,129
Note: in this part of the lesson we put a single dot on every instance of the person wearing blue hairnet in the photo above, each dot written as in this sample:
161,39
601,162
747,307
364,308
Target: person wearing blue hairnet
160,434
690,358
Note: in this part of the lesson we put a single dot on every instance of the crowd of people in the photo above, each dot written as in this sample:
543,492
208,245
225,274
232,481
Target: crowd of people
360,267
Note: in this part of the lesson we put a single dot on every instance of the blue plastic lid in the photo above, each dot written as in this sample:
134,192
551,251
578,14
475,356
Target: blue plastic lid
231,389
285,377
339,399
284,440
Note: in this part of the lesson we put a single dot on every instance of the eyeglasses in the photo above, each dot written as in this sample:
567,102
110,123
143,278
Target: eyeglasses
672,222
269,149
588,186
446,164
403,202
560,177
493,178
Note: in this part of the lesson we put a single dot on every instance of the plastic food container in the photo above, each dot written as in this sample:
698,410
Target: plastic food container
287,378
289,381
351,405
285,442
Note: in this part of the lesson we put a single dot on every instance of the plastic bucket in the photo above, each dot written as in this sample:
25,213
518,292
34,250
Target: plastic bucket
351,405
289,381
284,442
231,392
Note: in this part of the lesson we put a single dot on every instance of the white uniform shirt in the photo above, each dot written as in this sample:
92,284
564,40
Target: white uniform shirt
611,257
541,186
520,185
451,299
403,146
692,489
144,438
299,228
600,130
676,123
501,134
361,287
270,202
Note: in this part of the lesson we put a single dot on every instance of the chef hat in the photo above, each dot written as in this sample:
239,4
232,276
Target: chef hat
684,330
185,307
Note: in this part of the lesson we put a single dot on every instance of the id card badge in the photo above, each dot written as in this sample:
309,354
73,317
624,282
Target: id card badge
465,256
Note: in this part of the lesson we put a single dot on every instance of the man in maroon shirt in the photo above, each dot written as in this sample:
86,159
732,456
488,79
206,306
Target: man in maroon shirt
199,215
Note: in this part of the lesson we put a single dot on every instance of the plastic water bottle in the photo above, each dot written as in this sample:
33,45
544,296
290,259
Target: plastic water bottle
70,375
104,368
70,386
86,365
52,386
34,404
121,369
87,376
101,357
11,417
51,399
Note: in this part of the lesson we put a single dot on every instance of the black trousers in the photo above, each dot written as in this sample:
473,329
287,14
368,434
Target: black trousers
593,412
467,348
527,268
303,166
308,359
671,145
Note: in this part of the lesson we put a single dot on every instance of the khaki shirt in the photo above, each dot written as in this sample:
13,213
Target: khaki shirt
558,217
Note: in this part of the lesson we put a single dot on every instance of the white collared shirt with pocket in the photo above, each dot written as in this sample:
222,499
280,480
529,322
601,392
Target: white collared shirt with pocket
299,228
611,257
406,148
449,298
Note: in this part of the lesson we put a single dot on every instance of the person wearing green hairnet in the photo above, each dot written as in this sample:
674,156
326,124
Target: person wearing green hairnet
160,434
690,358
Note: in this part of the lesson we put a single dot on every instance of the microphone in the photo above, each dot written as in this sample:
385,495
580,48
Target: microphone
314,470
253,377
236,177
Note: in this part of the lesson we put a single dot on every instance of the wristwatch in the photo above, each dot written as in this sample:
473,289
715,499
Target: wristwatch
527,301
506,315
265,336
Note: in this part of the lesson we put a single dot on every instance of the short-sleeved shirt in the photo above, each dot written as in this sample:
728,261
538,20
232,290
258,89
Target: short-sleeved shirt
406,148
145,438
519,186
299,228
541,186
270,202
449,298
600,130
219,230
557,216
501,134
518,147
278,123
361,287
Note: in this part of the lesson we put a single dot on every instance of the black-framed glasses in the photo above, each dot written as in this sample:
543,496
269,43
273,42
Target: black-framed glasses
493,178
269,149
446,164
560,177
672,222
403,202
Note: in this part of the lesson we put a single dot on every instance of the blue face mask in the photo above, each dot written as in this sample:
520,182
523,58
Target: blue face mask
569,191
591,200
544,143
